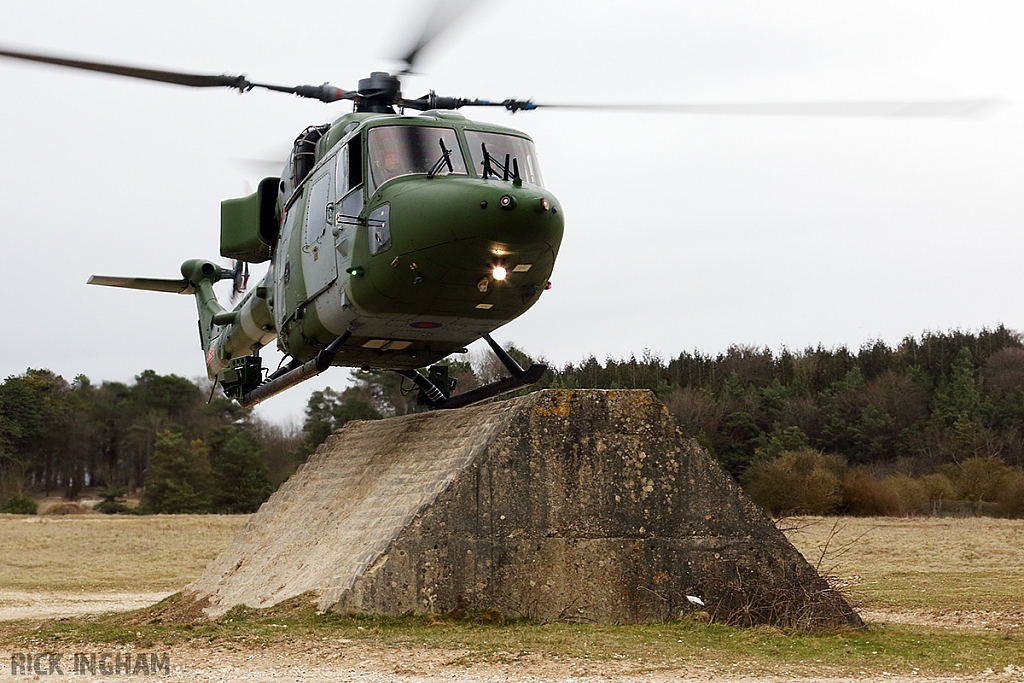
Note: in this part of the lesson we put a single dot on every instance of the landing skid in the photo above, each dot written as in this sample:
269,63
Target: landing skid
242,380
436,398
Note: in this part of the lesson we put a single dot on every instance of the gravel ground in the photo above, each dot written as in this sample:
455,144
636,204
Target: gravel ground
341,660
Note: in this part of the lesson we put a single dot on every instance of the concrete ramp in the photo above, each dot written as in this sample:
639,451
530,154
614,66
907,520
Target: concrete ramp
581,505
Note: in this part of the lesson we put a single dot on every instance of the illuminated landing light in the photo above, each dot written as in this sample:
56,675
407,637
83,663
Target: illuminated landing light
485,307
499,273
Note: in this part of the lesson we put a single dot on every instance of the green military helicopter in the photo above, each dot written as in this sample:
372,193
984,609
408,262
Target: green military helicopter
393,239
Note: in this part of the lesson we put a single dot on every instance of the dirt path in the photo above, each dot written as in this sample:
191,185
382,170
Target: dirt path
341,660
50,605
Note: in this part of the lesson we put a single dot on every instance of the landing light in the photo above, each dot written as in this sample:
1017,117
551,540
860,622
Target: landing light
499,273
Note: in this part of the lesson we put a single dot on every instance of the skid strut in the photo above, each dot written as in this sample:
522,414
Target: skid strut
436,399
292,374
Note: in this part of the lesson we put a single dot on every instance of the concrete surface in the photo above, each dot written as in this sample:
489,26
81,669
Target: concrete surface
583,505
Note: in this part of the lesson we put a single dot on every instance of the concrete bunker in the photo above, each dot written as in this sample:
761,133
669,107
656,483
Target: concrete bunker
584,505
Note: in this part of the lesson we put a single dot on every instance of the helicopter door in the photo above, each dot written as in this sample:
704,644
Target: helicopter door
347,209
319,266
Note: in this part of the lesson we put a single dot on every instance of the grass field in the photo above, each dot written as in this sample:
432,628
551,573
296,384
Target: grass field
945,597
938,564
115,553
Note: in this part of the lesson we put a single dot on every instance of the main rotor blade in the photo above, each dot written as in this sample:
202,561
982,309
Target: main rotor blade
877,108
176,77
442,15
148,284
324,93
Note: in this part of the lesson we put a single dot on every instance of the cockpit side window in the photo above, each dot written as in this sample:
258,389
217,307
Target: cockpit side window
405,150
349,175
355,162
492,151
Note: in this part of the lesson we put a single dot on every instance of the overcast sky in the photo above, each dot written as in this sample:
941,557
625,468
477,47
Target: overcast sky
682,232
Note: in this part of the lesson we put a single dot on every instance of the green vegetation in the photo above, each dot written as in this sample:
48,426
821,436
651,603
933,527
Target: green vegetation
911,429
160,432
932,426
20,504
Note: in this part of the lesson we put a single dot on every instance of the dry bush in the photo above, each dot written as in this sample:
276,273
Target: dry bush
866,496
911,493
1011,498
797,482
937,486
979,479
66,509
695,411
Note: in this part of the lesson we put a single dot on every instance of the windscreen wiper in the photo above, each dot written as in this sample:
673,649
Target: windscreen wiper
445,160
507,172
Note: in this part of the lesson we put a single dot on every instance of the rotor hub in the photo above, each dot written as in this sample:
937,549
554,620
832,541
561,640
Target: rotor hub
379,92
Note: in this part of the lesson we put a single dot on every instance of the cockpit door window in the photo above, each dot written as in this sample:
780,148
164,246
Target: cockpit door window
406,150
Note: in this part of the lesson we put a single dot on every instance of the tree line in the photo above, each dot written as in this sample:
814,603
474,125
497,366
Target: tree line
190,452
927,406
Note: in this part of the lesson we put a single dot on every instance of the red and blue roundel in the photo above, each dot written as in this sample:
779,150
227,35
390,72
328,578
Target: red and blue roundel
425,325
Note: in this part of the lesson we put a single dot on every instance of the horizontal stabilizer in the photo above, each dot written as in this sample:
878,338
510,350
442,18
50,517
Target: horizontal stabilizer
148,284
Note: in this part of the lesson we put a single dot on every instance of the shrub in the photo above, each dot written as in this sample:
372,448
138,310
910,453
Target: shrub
1011,499
110,507
61,509
911,492
797,482
866,496
937,487
111,503
979,479
20,504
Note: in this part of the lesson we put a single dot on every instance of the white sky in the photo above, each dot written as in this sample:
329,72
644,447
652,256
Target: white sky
682,232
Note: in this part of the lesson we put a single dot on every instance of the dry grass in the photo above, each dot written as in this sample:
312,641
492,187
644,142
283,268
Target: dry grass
921,563
110,553
899,563
896,564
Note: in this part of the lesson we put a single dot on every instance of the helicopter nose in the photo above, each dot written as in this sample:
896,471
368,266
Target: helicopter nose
429,212
462,246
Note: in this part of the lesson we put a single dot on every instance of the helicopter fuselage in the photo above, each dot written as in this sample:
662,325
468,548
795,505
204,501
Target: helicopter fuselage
412,235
